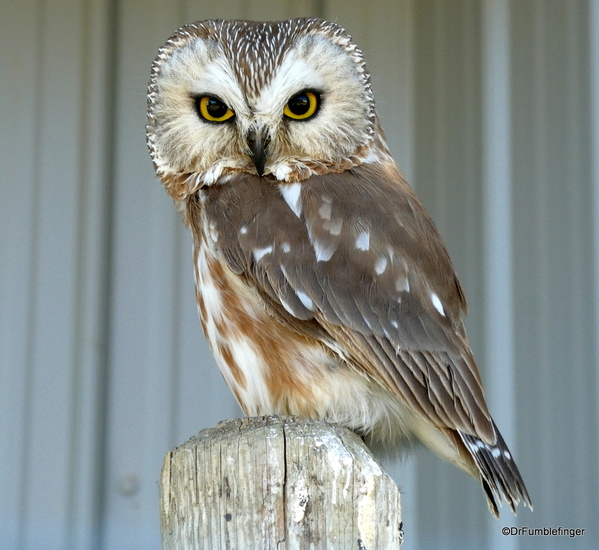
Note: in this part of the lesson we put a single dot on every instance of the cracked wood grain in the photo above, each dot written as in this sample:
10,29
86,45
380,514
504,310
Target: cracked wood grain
277,483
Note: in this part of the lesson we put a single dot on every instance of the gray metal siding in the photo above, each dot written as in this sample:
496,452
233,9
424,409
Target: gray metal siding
491,108
555,335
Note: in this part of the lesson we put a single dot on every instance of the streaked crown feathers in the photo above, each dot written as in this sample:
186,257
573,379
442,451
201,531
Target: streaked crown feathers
255,68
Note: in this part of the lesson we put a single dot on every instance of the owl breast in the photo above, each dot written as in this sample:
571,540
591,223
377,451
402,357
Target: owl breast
269,371
269,368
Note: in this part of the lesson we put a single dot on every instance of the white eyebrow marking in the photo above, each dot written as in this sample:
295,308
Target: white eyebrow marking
363,241
292,194
437,303
305,299
261,252
380,265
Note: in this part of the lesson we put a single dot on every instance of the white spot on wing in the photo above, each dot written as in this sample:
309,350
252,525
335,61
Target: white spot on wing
213,231
402,284
323,251
437,303
292,194
244,229
325,210
363,241
285,247
323,248
259,253
380,265
305,299
334,227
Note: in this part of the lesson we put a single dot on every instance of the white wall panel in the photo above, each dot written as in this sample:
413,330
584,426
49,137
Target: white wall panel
594,142
555,346
52,227
17,230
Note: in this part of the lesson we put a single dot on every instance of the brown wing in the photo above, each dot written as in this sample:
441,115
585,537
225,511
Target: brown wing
353,258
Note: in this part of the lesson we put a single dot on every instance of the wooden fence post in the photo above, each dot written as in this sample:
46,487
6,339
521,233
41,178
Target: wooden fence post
277,483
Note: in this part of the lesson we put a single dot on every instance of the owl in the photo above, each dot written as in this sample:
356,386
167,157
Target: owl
323,287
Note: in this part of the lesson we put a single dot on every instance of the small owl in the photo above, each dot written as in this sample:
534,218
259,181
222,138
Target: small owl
323,287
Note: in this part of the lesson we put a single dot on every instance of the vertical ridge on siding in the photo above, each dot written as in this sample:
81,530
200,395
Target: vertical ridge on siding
448,172
578,229
52,226
555,348
50,406
95,231
594,91
499,353
138,422
18,173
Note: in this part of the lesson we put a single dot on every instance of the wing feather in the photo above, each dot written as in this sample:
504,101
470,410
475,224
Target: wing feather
365,262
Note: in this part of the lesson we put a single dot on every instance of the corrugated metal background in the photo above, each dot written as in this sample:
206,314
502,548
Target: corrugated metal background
492,109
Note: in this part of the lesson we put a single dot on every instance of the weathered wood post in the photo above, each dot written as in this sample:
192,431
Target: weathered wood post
277,483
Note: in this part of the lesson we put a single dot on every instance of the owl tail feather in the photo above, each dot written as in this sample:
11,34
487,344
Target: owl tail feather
498,472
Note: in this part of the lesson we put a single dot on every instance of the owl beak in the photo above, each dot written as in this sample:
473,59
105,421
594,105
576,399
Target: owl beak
258,140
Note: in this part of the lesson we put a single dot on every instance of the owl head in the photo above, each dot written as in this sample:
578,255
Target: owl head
284,100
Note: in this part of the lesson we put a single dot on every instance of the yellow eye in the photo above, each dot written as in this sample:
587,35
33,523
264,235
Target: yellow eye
213,110
302,106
